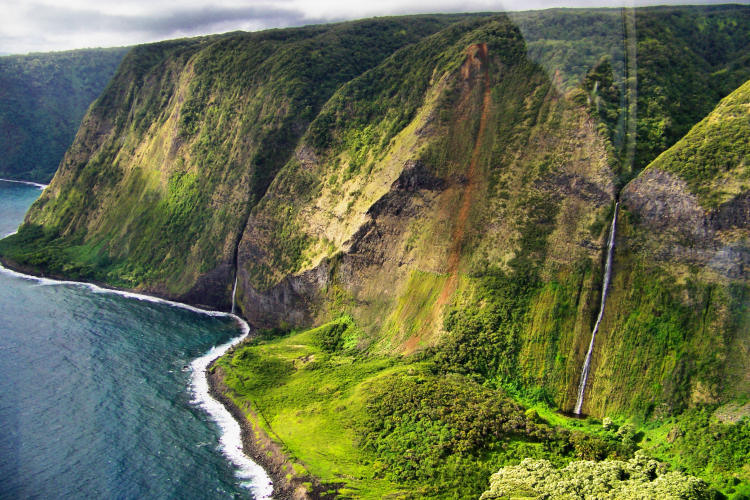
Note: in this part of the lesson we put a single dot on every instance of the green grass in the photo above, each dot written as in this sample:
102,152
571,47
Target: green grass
311,401
376,427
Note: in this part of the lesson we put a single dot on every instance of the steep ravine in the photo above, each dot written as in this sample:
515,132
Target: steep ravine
675,331
422,176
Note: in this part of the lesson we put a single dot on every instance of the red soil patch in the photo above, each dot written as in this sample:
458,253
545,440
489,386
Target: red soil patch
478,57
476,60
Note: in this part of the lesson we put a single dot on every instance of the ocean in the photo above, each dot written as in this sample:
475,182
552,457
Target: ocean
98,397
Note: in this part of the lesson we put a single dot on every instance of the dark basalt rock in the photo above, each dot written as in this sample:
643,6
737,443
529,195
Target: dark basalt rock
294,299
210,290
414,178
662,202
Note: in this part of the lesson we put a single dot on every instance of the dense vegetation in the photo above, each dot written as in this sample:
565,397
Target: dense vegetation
198,128
687,61
666,67
636,478
432,195
43,100
707,441
713,157
371,426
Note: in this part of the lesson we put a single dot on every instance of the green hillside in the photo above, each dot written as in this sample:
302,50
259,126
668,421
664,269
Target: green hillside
184,142
43,99
714,156
415,211
659,69
676,324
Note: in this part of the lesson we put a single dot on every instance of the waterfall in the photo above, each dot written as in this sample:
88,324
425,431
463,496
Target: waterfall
605,286
234,292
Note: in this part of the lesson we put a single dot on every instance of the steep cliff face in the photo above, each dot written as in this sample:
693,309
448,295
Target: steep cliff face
43,99
425,178
474,227
478,231
676,326
157,187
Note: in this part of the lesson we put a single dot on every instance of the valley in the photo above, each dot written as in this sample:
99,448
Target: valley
465,243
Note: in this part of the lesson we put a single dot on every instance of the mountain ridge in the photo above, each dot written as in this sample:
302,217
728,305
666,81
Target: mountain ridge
436,213
44,98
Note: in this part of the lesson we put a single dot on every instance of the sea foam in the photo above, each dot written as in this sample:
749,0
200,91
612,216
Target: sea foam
28,183
252,475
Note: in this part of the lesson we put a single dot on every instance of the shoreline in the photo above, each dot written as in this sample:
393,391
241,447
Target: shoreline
245,466
28,183
26,272
261,448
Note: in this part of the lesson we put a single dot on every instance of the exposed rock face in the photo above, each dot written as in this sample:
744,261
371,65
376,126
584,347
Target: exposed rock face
409,195
210,289
733,214
662,204
297,298
292,302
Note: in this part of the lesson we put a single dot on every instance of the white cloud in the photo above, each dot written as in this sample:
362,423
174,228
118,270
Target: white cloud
46,25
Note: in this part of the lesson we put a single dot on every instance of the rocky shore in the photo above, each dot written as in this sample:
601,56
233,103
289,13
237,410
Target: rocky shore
259,446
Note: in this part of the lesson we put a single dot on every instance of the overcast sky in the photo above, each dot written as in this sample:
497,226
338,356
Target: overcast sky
46,25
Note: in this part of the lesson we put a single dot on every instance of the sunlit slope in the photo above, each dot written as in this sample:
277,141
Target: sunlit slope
461,206
155,190
675,332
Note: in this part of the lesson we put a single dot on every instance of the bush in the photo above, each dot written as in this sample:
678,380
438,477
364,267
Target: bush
637,478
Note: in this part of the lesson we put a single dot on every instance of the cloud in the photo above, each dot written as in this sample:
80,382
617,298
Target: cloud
42,26
69,20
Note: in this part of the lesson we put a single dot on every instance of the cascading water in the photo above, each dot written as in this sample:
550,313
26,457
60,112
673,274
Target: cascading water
234,292
605,286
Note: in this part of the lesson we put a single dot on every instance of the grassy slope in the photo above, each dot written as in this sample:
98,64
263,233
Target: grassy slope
156,189
382,427
491,264
507,327
481,112
43,100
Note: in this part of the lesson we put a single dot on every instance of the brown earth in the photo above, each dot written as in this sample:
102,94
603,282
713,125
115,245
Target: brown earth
477,57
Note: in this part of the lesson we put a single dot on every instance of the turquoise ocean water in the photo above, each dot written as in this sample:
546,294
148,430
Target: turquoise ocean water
95,398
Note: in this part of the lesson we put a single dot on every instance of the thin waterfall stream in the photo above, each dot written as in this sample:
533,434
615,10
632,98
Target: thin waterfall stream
605,287
234,292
